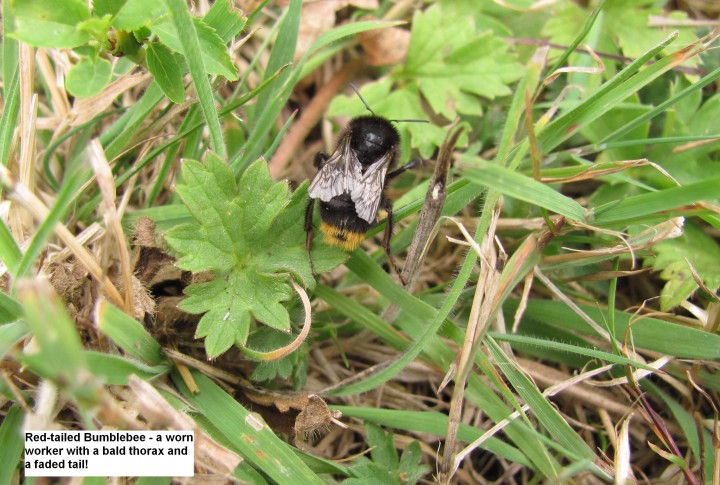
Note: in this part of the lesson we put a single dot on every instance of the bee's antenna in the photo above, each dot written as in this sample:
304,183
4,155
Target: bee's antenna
362,99
410,121
373,113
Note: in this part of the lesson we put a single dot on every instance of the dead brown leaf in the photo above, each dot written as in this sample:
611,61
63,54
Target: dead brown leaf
383,47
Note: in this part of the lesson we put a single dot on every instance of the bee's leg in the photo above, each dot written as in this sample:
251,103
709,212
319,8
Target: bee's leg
414,163
309,231
387,205
320,159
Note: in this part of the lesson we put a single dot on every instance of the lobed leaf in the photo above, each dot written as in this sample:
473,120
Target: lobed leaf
251,237
225,19
673,258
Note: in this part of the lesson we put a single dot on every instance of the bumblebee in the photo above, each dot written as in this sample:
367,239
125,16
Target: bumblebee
350,184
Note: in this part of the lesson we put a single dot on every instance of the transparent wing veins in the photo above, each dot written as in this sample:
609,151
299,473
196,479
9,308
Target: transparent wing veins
342,173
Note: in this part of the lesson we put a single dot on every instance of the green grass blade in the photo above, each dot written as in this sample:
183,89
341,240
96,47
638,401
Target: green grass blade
347,30
611,93
661,108
187,34
522,187
282,54
10,309
10,253
8,120
117,138
116,370
688,425
647,333
580,37
247,434
433,423
484,395
361,264
60,356
65,201
361,314
128,333
11,443
546,414
10,334
663,200
568,348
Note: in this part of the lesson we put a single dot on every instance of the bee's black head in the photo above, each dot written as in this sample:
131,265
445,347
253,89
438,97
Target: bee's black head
372,137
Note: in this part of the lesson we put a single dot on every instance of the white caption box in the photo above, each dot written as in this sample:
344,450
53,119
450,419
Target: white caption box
109,453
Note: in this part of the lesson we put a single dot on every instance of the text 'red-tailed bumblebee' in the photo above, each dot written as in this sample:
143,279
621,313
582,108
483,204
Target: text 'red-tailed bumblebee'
351,182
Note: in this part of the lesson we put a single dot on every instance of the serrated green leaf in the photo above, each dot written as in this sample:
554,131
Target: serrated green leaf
385,468
215,54
165,68
291,367
196,255
383,449
50,23
250,235
219,337
225,19
630,28
410,467
627,29
671,259
88,77
450,61
241,291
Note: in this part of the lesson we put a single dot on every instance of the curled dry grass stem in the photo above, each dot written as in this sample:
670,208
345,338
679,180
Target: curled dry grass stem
587,70
304,332
637,374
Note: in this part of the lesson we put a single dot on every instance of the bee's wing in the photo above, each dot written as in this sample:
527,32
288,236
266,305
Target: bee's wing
367,190
337,173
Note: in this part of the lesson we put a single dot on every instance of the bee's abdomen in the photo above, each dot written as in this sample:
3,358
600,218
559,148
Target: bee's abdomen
341,237
341,225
